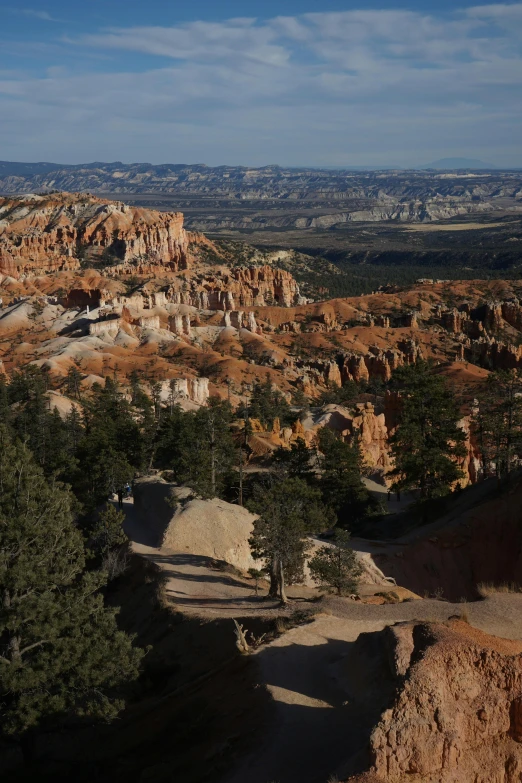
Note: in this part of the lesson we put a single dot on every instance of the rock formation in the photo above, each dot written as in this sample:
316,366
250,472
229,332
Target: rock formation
457,715
194,389
53,232
378,364
206,528
180,324
254,286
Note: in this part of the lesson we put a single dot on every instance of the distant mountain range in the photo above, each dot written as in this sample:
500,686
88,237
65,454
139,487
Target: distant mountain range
459,163
42,171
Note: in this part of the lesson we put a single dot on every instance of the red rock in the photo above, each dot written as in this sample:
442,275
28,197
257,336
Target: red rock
48,233
457,715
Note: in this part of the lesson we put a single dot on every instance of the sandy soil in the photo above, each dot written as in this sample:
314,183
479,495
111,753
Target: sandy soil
316,733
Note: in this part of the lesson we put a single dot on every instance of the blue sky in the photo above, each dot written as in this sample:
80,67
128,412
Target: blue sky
294,82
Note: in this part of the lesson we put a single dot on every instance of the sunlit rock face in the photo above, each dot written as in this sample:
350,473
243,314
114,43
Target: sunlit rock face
57,231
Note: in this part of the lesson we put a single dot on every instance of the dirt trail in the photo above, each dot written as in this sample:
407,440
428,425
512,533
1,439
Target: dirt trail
314,732
193,584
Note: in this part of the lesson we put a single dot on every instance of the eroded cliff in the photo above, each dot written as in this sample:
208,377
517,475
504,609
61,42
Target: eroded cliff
46,233
457,713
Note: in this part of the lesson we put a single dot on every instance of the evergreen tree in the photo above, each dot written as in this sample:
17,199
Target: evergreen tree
198,447
61,653
73,382
288,510
40,428
208,461
73,429
300,400
5,409
109,542
339,395
336,568
428,441
268,403
340,482
497,422
296,462
107,533
111,449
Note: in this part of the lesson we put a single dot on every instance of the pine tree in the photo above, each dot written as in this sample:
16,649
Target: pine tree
497,422
73,382
340,482
288,510
428,440
297,461
111,449
208,458
107,533
336,568
267,404
61,653
5,410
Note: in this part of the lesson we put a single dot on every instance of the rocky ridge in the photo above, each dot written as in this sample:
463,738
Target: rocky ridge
46,233
191,319
342,196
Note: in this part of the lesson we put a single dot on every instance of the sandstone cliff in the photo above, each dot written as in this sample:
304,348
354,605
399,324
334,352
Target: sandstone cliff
53,232
242,287
457,715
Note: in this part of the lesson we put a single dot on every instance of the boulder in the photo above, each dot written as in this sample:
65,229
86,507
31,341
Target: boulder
190,525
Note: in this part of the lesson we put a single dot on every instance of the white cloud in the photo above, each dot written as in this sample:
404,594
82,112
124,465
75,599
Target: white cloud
350,87
43,15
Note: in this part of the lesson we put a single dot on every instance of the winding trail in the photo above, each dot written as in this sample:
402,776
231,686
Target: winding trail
316,732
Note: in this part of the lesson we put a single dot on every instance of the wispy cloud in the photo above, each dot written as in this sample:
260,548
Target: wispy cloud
42,15
355,86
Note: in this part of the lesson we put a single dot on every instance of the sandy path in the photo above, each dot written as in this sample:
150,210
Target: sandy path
193,585
314,731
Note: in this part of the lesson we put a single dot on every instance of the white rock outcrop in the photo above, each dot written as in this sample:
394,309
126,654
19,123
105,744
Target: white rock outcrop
204,528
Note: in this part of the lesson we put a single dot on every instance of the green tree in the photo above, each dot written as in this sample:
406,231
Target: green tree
198,447
288,510
336,568
497,422
109,542
61,653
297,461
268,403
428,440
339,395
107,533
73,381
111,449
300,400
5,409
340,481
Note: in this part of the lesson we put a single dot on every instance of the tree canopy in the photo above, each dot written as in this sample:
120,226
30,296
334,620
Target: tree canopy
428,441
288,510
497,422
335,568
61,652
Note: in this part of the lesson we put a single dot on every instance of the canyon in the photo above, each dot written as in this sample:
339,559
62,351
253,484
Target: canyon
176,299
355,196
427,690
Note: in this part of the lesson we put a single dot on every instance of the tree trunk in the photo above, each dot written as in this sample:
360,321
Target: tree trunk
282,593
274,580
240,476
213,469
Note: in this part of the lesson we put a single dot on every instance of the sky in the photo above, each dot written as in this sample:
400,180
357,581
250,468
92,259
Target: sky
258,82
